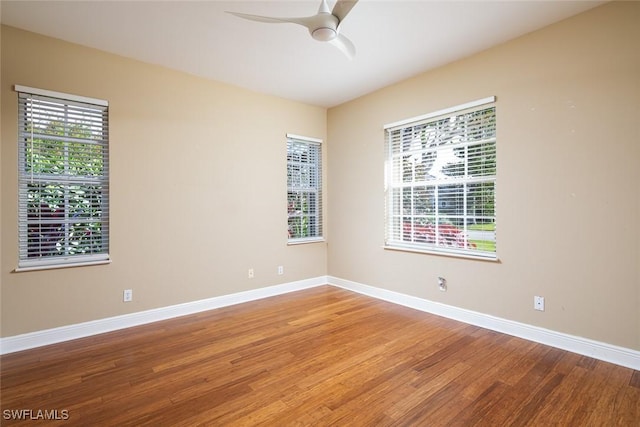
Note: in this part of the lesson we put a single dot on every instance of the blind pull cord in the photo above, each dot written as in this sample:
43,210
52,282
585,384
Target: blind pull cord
32,153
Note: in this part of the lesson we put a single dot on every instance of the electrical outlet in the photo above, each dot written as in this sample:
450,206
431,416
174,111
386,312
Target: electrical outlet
538,303
250,274
442,284
127,295
280,270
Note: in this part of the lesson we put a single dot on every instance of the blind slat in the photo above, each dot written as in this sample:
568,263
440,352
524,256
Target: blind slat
304,188
440,182
64,179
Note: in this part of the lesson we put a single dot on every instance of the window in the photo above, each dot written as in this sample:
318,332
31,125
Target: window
63,216
440,181
304,189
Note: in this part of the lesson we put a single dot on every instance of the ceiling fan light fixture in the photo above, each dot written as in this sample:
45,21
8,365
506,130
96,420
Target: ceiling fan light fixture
324,26
324,34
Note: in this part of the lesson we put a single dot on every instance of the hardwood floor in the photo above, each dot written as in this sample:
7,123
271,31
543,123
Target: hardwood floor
323,356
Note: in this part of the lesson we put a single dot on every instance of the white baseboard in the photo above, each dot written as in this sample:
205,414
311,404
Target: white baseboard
598,350
586,347
81,330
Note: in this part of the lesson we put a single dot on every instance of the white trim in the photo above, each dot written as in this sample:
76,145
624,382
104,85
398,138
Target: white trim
304,138
471,104
305,240
65,96
598,350
584,346
36,266
81,330
479,256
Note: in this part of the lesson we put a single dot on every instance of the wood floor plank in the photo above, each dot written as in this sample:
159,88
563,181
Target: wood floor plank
635,379
319,357
440,409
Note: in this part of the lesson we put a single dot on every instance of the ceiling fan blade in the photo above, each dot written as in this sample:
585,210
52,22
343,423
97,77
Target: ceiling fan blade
342,8
322,26
345,45
305,21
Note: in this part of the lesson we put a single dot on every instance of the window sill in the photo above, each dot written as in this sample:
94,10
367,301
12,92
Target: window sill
294,242
443,253
22,269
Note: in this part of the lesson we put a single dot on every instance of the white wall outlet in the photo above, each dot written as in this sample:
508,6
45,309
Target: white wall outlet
127,295
538,303
250,274
280,270
442,284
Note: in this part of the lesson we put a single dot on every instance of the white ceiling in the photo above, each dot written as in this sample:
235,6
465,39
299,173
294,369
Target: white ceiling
395,39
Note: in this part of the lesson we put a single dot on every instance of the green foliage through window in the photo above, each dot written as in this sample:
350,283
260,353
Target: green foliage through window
440,183
304,189
63,154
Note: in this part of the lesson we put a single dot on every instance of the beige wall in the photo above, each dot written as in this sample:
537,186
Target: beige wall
568,196
197,164
198,187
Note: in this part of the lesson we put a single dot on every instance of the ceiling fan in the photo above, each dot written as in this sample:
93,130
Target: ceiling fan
323,26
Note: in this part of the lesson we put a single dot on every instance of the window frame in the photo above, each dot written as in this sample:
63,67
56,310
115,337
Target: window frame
80,188
313,191
438,235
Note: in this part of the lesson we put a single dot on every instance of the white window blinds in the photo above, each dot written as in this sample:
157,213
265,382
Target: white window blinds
304,189
63,157
440,181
